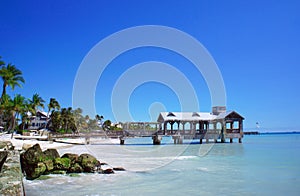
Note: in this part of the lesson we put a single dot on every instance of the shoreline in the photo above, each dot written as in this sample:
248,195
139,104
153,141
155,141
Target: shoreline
18,143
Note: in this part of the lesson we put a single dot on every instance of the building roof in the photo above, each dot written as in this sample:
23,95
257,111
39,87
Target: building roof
45,114
42,112
229,114
185,116
195,116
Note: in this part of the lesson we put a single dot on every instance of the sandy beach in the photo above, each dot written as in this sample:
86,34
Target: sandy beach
58,144
18,143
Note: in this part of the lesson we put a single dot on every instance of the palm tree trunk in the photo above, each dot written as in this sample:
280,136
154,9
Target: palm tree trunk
3,90
14,124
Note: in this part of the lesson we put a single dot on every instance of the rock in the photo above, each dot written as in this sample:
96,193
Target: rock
119,169
51,154
32,162
3,156
59,172
88,162
26,146
74,175
72,157
49,165
11,175
76,168
33,155
6,145
62,164
35,162
35,171
108,171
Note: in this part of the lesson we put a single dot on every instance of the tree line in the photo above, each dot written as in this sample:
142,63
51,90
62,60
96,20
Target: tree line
16,111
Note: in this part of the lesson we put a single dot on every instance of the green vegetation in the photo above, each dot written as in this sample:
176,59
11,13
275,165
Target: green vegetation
74,175
43,177
15,111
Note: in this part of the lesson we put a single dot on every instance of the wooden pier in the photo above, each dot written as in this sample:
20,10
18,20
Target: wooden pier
218,126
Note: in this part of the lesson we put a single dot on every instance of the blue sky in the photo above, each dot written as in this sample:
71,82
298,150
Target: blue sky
256,45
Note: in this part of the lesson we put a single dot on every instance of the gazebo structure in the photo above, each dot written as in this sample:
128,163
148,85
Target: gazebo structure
217,125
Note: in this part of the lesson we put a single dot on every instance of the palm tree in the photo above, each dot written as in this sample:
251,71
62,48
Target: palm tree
1,62
5,110
18,106
99,119
36,102
5,102
53,105
79,120
11,77
55,122
25,119
67,119
106,125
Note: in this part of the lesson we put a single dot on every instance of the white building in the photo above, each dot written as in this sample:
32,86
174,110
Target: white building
38,121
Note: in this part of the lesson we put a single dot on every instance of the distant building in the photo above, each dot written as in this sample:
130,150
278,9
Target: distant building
38,121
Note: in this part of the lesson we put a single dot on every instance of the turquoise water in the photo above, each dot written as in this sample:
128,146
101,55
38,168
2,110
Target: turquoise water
261,165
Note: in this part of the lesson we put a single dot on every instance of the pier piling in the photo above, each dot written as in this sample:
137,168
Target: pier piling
156,139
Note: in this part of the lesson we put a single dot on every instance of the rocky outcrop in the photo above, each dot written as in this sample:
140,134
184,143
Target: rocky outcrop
51,154
3,156
11,176
89,163
6,145
35,163
62,164
119,169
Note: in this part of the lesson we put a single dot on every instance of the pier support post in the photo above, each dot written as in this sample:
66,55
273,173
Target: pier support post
156,139
230,140
200,140
177,139
207,140
122,140
180,140
87,140
240,140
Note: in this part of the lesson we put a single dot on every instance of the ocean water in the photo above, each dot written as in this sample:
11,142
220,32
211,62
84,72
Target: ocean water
261,165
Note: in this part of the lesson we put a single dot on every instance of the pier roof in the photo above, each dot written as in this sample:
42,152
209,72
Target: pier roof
229,114
185,116
196,116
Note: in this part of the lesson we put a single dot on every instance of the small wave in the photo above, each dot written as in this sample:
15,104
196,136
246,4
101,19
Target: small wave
185,157
203,169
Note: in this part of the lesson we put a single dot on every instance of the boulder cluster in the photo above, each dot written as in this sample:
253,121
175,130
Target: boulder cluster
35,162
